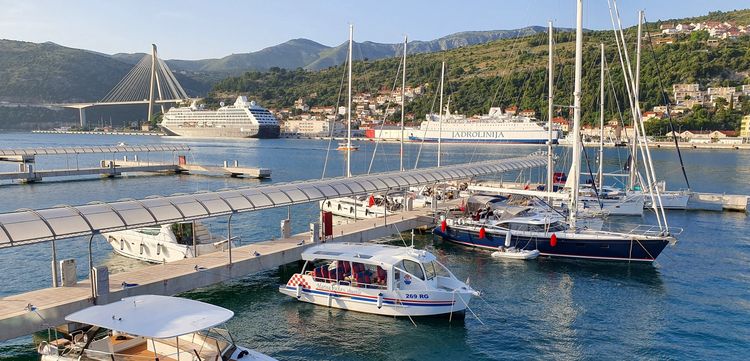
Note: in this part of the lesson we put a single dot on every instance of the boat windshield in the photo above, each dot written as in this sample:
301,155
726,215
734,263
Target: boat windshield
149,231
434,269
557,227
414,268
183,232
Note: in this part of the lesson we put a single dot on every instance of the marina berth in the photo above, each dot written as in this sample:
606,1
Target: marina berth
379,279
243,119
149,327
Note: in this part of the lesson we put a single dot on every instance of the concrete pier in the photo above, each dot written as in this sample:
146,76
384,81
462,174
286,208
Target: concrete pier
37,310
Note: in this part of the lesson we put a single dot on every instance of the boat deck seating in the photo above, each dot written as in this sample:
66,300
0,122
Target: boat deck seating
351,274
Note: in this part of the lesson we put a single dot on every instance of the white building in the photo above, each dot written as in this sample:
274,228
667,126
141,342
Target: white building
311,127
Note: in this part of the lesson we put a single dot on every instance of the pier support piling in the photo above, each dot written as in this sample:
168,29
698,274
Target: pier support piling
54,265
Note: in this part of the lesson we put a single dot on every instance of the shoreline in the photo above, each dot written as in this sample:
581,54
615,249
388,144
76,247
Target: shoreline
671,145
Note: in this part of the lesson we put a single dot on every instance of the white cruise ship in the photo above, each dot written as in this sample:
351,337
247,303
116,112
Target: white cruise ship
495,127
243,119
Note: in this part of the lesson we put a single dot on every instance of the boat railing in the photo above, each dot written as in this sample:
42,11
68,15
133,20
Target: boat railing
654,230
163,352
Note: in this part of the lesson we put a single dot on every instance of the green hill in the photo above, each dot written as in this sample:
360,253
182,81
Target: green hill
513,72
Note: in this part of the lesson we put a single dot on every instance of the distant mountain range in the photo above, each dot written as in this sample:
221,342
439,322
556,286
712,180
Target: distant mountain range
310,55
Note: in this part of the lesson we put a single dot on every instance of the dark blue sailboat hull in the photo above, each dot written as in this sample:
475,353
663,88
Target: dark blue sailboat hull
600,249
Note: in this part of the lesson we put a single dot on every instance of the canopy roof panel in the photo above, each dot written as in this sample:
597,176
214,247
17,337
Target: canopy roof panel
34,226
94,149
153,316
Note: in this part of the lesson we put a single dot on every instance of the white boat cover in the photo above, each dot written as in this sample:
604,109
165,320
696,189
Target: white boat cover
386,255
153,316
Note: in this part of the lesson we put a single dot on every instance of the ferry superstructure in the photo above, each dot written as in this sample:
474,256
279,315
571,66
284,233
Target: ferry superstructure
495,127
242,119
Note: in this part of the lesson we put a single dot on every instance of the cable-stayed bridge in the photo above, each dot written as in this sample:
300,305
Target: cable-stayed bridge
149,82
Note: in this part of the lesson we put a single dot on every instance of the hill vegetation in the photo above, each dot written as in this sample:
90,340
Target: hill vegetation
513,72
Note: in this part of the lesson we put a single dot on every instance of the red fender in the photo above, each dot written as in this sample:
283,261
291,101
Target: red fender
443,226
553,240
371,201
482,233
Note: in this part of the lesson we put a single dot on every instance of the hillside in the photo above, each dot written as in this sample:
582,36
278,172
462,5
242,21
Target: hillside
308,54
513,72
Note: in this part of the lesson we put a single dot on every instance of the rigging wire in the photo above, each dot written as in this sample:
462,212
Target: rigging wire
666,103
333,125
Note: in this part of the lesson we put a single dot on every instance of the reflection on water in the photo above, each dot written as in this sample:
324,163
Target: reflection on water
692,303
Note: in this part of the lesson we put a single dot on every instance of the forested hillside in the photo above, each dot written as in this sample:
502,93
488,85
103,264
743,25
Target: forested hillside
513,72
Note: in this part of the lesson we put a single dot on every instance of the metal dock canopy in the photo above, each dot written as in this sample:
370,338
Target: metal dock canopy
94,149
34,226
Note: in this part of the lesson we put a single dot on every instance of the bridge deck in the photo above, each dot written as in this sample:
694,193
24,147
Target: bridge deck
53,304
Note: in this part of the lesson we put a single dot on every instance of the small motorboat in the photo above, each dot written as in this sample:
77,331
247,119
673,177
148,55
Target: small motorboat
347,147
166,243
515,253
379,279
149,327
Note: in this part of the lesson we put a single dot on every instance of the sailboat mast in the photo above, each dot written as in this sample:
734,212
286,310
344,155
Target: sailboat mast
601,121
440,121
636,94
349,109
550,93
576,162
403,105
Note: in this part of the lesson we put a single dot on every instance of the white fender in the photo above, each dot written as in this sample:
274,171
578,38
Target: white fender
380,300
299,291
158,249
330,299
508,237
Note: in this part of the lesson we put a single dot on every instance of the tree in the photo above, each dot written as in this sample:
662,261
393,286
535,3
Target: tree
699,35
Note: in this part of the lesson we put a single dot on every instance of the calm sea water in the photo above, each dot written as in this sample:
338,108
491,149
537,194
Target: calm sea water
694,303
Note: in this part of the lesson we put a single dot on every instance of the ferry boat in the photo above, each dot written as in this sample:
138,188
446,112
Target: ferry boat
379,279
165,243
495,127
242,119
149,327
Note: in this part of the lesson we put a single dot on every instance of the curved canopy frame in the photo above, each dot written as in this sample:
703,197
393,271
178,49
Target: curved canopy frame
34,226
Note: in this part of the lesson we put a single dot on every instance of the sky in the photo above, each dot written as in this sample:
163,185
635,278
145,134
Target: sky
190,29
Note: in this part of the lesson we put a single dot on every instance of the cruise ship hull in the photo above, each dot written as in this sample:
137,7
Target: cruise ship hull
263,132
532,136
482,140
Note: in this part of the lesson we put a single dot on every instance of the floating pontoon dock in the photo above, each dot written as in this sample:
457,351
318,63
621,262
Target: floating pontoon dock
27,172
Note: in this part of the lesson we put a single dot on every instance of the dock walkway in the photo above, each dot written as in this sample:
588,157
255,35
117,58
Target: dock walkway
37,310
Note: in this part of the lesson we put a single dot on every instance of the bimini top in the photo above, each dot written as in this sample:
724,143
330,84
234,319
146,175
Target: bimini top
366,253
153,316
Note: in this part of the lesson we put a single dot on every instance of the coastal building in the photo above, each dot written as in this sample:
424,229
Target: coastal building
745,127
563,123
687,94
312,127
729,94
